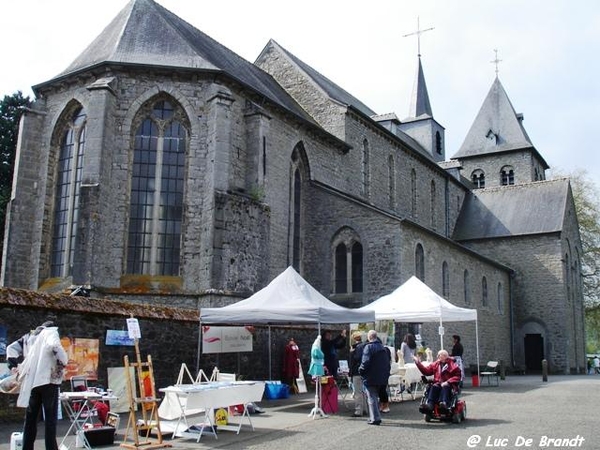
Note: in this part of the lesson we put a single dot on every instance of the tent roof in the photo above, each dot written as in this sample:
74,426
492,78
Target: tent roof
414,301
287,299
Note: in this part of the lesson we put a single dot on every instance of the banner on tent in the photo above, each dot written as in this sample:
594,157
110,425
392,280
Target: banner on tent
226,339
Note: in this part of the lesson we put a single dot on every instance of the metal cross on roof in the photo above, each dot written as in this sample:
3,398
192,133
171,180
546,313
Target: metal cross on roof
496,61
418,33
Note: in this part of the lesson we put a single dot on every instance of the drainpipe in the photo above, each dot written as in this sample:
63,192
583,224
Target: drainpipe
511,317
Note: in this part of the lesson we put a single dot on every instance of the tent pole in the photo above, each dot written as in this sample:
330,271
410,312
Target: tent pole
199,353
477,345
270,374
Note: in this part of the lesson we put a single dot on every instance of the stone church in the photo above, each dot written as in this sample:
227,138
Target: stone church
160,167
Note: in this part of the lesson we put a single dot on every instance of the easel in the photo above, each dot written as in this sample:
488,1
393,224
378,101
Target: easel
147,401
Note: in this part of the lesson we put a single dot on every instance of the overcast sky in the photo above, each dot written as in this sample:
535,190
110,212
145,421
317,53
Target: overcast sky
549,52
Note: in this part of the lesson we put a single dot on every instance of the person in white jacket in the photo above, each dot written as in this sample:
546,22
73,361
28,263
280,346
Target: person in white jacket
41,374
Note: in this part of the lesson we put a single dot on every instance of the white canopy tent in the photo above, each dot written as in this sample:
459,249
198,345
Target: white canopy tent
415,302
288,299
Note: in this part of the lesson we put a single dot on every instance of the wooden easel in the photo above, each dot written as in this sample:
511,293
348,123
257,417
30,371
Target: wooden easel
147,401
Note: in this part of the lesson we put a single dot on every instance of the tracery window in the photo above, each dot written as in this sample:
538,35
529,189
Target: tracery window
66,202
157,185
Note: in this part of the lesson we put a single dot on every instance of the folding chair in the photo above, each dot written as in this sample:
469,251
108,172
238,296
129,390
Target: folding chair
491,372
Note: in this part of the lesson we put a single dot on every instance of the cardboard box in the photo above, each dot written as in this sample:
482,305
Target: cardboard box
100,436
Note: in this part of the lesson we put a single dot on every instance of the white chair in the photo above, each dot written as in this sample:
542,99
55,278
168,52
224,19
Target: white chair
491,373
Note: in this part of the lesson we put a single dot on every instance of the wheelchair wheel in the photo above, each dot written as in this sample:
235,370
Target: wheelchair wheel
456,417
428,417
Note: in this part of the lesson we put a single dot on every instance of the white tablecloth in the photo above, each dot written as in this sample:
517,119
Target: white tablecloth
190,399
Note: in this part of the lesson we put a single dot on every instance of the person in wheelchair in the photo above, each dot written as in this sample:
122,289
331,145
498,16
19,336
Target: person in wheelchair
446,376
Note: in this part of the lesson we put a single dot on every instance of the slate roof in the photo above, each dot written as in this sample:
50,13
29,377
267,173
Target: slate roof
419,103
145,33
331,89
505,211
497,127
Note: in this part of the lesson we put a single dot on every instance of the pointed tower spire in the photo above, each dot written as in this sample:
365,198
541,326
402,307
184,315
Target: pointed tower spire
419,103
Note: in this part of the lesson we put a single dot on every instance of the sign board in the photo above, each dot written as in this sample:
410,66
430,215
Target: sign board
226,339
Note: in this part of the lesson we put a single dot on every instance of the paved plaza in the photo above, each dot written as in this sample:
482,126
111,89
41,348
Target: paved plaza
523,412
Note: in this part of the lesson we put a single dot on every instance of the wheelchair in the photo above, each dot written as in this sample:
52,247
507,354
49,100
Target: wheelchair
456,411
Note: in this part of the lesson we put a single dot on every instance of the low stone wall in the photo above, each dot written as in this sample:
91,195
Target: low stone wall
169,335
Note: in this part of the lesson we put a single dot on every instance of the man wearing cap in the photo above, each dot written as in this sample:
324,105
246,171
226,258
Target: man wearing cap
356,353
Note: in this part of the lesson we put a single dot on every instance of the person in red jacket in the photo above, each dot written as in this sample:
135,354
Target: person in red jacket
446,376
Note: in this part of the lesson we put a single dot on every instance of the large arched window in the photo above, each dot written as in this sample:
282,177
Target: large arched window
478,178
66,201
296,208
299,171
420,262
156,205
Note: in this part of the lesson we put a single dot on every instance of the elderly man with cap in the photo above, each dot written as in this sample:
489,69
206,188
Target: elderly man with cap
356,353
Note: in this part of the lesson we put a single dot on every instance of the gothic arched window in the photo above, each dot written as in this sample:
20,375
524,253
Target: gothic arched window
299,171
66,201
156,205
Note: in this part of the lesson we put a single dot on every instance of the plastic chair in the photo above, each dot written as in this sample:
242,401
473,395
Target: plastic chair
491,372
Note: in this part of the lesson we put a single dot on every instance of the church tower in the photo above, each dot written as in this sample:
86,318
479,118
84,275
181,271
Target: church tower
497,150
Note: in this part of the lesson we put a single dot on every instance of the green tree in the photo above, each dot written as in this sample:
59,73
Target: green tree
11,109
586,194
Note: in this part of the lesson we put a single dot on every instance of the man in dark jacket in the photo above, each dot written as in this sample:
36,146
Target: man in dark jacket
330,346
375,372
